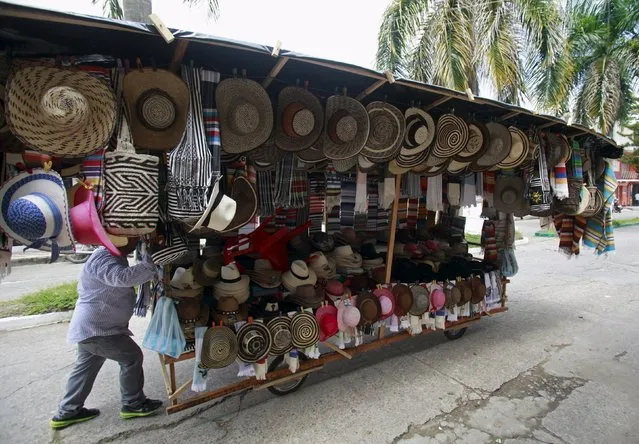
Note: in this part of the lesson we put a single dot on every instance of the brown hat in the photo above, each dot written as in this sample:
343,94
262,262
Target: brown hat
264,275
478,138
498,147
244,195
369,307
158,103
466,291
306,296
346,129
421,300
452,136
403,299
206,272
387,126
300,119
479,290
227,311
192,313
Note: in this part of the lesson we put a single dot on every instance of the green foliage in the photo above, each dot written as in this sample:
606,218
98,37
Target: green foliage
618,223
58,298
113,8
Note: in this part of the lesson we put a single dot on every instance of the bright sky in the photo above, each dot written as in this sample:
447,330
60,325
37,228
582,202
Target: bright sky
343,30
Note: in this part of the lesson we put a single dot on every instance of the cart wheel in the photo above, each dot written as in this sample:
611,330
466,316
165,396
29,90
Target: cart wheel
288,386
455,333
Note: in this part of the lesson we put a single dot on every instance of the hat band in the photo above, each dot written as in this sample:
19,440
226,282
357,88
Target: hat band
303,278
231,281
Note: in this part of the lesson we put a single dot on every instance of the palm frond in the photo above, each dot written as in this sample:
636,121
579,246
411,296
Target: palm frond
213,7
111,8
400,25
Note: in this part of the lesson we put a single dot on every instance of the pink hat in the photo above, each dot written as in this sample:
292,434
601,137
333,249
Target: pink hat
386,300
326,317
348,316
85,222
437,298
334,289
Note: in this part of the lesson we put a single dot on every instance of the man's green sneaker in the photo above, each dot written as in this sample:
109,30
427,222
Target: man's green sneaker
60,422
147,408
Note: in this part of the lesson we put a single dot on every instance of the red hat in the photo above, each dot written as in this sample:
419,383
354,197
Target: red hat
85,222
326,317
386,300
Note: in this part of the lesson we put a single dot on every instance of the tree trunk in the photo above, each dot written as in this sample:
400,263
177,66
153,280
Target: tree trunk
137,10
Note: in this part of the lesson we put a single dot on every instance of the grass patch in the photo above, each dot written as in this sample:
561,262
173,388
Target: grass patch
623,222
476,238
58,298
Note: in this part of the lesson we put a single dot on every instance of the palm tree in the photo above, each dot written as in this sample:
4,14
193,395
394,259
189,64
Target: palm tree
594,73
455,43
139,10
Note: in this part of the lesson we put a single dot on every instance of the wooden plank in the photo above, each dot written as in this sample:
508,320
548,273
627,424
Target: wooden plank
337,350
509,116
547,125
393,228
172,378
274,71
295,375
183,357
165,375
178,55
371,89
161,27
437,102
181,389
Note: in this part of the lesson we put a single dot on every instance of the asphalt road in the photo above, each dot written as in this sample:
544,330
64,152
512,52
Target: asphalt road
560,366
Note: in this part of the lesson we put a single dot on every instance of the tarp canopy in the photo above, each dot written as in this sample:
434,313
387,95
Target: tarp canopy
30,32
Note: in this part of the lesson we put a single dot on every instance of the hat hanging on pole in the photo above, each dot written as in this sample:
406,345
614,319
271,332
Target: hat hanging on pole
347,127
518,149
387,127
246,114
300,119
158,103
498,149
477,144
60,111
509,194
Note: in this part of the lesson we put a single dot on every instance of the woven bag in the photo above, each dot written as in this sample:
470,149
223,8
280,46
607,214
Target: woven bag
569,205
130,190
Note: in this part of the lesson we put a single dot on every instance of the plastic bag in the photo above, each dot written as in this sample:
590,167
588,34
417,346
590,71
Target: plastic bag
164,334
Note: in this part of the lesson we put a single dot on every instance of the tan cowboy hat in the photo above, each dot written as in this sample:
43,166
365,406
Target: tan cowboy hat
246,114
206,271
158,103
60,111
264,275
232,283
299,121
299,274
346,129
451,136
498,149
387,126
509,194
518,149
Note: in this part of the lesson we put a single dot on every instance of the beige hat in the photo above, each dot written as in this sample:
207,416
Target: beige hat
498,148
518,149
300,119
206,272
346,129
183,284
231,283
299,274
59,111
345,257
264,275
387,126
323,267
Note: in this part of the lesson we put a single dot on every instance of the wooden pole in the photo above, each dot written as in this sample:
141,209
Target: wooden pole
509,116
274,72
393,228
371,89
436,103
178,55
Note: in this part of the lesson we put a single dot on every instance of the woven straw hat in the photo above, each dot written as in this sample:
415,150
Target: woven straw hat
509,194
232,283
518,149
347,127
479,290
219,348
498,147
254,342
477,144
300,118
452,136
264,275
311,155
280,328
158,103
419,134
421,300
266,156
59,111
298,274
343,165
246,114
305,331
206,271
387,126
457,168
323,267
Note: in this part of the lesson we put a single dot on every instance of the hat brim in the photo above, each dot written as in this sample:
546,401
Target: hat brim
374,151
221,334
290,95
426,120
200,277
238,290
345,150
41,181
85,221
291,282
452,136
501,185
478,140
518,149
498,147
245,197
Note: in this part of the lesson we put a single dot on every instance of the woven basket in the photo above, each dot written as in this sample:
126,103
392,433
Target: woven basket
596,202
569,205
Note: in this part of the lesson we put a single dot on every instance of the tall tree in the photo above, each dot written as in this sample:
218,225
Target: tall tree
139,10
595,71
455,43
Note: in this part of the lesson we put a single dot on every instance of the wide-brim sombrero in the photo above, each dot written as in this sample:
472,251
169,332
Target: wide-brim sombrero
60,111
386,135
456,168
254,342
157,101
343,165
519,148
39,182
478,139
346,127
305,331
509,194
403,299
436,170
280,328
311,155
451,136
246,114
419,133
299,121
265,156
219,348
498,147
245,197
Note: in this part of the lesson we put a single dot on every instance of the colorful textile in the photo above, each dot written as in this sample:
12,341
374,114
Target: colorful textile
599,233
411,216
576,163
561,181
210,79
347,206
333,188
317,200
298,196
266,193
373,205
489,187
539,192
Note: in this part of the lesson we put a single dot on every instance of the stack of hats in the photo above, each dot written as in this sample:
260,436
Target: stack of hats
370,257
324,267
347,261
264,275
306,296
323,242
348,236
231,284
192,313
183,284
207,272
299,274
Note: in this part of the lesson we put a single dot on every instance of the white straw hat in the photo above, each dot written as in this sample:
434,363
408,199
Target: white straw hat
232,284
298,274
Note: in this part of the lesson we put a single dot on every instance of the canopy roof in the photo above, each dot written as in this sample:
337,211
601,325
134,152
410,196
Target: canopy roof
28,32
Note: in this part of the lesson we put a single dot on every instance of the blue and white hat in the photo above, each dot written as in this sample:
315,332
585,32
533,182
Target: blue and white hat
34,211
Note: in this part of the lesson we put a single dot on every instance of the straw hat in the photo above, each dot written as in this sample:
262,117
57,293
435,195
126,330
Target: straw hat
307,296
419,134
192,313
421,300
231,283
518,149
334,290
436,170
267,155
453,296
206,272
478,139
403,299
34,211
345,257
183,284
58,111
347,127
85,221
246,114
158,103
297,275
311,155
300,118
323,267
326,317
387,126
509,194
343,165
305,331
369,307
280,328
452,136
220,211
227,311
386,301
364,165
254,342
264,275
219,348
348,316
498,148
457,168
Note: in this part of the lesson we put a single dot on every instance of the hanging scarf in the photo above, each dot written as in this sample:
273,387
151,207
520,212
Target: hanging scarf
299,189
411,214
468,191
360,194
539,191
454,194
283,178
373,206
489,187
266,193
413,187
317,200
347,207
209,80
599,233
565,228
560,181
333,188
434,193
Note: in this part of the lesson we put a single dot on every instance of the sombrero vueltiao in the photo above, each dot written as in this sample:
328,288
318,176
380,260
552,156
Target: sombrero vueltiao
419,133
246,114
387,126
219,348
280,328
60,111
300,118
158,102
518,149
451,136
478,139
34,211
498,147
254,342
346,129
305,331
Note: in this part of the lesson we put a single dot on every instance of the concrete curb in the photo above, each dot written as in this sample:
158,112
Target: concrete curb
30,260
21,322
